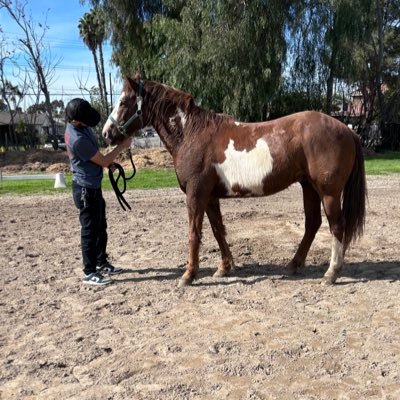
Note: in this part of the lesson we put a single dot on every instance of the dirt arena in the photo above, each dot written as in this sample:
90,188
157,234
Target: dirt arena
258,334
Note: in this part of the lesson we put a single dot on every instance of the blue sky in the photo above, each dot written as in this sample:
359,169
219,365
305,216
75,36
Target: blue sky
76,63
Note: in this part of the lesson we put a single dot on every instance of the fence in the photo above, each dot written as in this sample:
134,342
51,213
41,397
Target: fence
148,142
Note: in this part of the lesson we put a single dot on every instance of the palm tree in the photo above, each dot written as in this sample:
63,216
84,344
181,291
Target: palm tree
102,35
93,33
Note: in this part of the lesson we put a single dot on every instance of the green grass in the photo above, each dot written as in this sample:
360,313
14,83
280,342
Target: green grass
378,164
144,179
383,163
45,186
147,179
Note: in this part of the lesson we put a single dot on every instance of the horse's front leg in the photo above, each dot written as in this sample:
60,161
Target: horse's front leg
196,216
214,215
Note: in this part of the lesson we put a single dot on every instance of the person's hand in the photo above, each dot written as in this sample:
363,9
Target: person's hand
126,144
112,167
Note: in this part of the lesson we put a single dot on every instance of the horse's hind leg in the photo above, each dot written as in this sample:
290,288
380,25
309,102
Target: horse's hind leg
214,215
312,211
336,223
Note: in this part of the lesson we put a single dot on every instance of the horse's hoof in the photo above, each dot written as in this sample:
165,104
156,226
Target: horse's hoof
184,282
292,268
220,273
225,267
329,280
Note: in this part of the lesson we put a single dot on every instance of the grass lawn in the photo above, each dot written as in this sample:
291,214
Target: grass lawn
144,179
378,164
383,163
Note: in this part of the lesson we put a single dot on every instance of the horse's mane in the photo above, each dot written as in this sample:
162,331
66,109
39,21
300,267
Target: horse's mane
166,99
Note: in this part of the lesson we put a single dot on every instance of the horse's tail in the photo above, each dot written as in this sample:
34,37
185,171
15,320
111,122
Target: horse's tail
354,198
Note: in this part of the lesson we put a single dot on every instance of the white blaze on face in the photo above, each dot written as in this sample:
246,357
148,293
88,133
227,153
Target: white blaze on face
246,169
114,113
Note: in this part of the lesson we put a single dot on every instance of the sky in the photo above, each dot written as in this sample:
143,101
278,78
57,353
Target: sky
76,63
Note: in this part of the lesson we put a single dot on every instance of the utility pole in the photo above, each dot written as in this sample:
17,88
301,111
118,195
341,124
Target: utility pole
111,92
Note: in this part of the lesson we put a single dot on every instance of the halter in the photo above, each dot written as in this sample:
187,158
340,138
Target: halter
122,128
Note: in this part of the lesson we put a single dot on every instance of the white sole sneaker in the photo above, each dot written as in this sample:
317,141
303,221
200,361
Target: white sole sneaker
96,279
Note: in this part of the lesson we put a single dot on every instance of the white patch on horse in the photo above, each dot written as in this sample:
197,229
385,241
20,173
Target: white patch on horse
237,123
179,114
183,117
336,258
247,169
114,113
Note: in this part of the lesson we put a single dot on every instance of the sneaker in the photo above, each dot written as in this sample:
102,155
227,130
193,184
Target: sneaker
109,269
96,279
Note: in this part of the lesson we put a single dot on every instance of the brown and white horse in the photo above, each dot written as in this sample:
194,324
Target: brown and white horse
216,157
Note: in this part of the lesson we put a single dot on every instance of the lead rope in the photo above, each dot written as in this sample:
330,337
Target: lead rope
121,175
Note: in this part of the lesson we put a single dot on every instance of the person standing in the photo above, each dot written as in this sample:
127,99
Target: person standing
87,163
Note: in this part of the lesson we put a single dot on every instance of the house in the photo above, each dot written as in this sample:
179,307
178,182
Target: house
31,129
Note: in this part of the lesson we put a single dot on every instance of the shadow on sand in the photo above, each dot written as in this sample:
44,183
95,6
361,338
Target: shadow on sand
249,274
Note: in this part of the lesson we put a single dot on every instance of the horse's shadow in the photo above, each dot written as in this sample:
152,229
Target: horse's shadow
357,272
252,273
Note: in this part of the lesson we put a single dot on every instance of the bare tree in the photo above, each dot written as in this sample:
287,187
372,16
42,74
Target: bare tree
38,56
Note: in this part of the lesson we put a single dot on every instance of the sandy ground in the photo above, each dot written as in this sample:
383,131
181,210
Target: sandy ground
258,334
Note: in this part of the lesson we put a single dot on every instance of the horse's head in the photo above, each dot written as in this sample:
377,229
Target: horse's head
126,117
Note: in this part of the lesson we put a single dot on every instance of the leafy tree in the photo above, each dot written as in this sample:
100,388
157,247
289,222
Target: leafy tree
287,101
346,31
375,67
228,54
234,56
40,108
384,59
12,96
323,42
263,58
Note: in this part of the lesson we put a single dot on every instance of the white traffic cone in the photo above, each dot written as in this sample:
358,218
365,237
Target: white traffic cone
60,181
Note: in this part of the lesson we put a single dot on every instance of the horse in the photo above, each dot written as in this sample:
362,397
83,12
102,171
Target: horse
217,157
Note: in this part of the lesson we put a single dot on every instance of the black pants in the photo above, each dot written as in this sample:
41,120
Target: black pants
92,216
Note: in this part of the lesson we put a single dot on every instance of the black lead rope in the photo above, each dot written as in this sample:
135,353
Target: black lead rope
115,182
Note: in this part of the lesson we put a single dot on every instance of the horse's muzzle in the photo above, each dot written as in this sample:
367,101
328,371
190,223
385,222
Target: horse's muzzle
108,134
107,141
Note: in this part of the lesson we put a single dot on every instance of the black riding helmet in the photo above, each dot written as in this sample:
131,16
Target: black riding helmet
81,110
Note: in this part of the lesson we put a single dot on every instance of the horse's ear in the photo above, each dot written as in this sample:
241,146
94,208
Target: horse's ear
189,103
133,83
